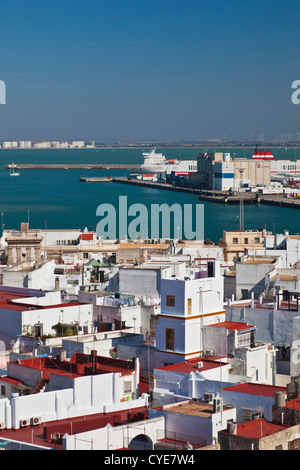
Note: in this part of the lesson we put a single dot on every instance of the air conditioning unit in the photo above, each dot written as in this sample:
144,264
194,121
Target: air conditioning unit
209,353
209,397
218,404
199,365
35,420
24,422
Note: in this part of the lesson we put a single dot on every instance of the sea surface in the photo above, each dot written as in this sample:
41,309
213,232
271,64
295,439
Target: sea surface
56,199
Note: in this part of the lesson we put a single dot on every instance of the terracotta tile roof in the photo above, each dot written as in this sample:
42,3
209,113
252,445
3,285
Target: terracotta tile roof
255,389
231,325
259,428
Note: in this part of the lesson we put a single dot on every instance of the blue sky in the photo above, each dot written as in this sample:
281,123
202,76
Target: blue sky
167,69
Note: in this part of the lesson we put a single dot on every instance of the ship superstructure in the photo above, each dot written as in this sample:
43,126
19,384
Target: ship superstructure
157,163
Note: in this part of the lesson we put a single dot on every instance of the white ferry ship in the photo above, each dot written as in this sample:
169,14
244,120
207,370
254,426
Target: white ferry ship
278,167
157,163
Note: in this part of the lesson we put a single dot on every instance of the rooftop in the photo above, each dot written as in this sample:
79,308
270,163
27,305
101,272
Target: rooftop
194,408
40,435
258,429
259,261
80,365
255,389
199,364
24,307
231,325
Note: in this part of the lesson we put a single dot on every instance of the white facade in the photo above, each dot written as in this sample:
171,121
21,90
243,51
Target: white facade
274,325
17,321
186,307
295,348
39,277
260,401
115,437
224,175
196,427
79,396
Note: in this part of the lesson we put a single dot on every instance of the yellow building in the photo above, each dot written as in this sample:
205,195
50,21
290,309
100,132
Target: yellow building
235,242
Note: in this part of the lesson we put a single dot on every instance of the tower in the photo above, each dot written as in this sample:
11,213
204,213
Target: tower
186,307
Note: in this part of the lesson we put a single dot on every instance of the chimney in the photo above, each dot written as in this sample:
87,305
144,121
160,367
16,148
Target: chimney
231,427
279,399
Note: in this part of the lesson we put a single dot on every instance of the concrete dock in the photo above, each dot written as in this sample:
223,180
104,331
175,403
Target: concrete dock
221,197
96,179
73,166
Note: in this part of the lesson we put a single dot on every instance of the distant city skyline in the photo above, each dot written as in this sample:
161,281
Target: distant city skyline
151,70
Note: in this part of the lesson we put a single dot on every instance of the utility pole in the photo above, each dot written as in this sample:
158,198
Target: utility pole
241,170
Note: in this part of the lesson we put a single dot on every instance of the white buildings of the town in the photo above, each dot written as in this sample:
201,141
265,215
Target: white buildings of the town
213,330
27,144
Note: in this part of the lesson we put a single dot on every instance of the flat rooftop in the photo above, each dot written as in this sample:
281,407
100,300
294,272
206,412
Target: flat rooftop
232,325
259,261
79,365
193,408
24,307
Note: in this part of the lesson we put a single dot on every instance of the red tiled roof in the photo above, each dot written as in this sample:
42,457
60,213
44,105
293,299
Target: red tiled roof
258,428
11,381
294,404
19,306
6,296
86,236
80,364
255,389
190,365
232,325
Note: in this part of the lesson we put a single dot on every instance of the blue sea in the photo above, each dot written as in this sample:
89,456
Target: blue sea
57,199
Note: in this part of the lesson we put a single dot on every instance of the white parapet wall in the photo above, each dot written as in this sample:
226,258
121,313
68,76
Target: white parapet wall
113,438
89,395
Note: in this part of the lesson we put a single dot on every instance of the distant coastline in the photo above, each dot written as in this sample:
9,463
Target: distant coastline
169,146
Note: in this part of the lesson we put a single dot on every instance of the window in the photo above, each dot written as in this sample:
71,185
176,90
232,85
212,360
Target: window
235,240
247,414
170,300
245,294
85,255
127,387
246,241
3,390
189,306
170,339
294,445
256,240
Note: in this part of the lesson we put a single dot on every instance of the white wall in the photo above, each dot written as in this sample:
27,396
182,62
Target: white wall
114,437
179,425
90,395
246,400
272,325
13,321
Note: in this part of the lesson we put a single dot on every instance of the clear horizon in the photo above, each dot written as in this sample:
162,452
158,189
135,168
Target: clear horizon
155,70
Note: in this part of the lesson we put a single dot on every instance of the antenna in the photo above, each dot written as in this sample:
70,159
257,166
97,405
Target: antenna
241,170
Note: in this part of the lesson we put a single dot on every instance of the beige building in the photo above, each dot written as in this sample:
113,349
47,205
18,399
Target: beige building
235,243
255,172
23,245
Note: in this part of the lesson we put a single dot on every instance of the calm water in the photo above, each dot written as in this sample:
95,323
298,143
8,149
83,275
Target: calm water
57,199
